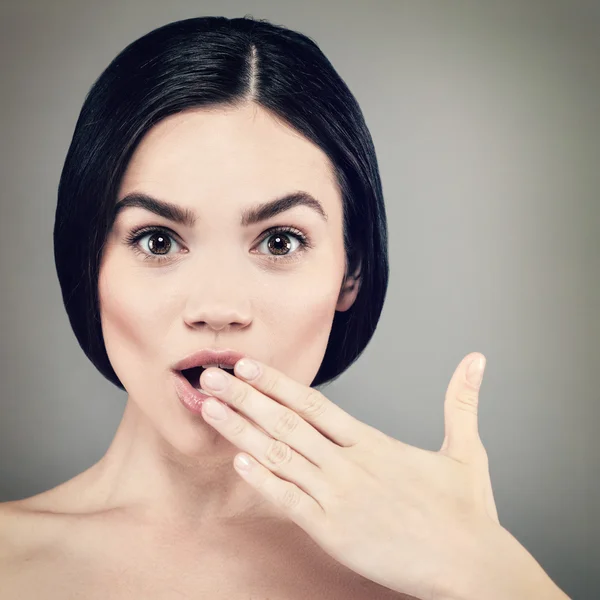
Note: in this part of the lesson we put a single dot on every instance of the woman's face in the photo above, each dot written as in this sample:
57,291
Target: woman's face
218,283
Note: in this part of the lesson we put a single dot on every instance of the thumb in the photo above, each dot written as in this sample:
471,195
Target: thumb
462,441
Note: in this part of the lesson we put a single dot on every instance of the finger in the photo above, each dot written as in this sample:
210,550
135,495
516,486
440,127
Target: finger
296,505
462,441
277,421
325,416
276,456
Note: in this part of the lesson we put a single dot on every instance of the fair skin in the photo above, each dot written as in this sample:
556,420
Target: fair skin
164,514
164,508
219,287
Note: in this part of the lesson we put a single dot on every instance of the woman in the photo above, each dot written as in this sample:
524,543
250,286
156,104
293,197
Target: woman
220,201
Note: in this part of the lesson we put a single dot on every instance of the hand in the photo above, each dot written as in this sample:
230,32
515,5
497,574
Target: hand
407,518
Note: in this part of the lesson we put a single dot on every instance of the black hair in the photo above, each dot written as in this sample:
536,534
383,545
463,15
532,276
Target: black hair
203,62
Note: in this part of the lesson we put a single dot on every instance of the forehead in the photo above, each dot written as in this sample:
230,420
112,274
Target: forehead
221,149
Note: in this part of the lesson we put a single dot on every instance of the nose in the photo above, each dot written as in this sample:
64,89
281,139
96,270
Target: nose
218,298
217,318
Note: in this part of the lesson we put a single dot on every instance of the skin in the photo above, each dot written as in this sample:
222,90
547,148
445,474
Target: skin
219,289
164,513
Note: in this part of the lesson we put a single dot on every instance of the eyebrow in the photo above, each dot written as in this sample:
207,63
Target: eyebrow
250,216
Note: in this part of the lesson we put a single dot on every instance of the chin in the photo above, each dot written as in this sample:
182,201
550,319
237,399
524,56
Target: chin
164,421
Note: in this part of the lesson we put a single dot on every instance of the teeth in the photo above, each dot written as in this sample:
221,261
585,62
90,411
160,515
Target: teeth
220,366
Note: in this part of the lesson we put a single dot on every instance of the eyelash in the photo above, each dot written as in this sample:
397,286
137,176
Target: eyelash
133,237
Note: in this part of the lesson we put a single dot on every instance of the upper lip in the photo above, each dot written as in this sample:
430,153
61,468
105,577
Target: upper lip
209,356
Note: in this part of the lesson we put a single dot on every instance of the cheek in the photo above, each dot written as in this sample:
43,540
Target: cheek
300,322
130,322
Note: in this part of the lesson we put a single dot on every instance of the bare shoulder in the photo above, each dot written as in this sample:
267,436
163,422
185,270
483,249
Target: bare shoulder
14,520
13,525
25,530
30,534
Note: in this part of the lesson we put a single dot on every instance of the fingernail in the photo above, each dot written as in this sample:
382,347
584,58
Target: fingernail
214,380
475,371
248,369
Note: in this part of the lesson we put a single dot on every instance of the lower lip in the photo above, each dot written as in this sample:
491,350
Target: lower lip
189,396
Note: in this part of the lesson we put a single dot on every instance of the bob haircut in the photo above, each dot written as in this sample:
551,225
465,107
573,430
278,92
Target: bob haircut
206,62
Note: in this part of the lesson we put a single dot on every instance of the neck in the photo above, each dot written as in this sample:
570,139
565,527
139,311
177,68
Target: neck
145,475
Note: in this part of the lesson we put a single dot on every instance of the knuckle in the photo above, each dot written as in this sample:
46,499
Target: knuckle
239,427
313,405
239,396
467,400
290,498
268,386
286,424
278,453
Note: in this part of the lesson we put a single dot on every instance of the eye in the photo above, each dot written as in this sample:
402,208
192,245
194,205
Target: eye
155,243
279,244
159,243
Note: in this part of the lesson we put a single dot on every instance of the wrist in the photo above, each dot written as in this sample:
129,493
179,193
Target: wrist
500,568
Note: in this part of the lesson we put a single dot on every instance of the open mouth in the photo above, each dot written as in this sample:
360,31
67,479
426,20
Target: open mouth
193,375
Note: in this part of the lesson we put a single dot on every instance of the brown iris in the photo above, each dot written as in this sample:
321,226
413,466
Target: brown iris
276,241
163,244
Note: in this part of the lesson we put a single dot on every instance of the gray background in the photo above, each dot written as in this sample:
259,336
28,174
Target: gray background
485,117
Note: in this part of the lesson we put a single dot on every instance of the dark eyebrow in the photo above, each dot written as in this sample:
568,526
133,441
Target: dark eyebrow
187,217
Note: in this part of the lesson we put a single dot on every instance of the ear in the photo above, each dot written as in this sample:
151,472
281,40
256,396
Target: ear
349,291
